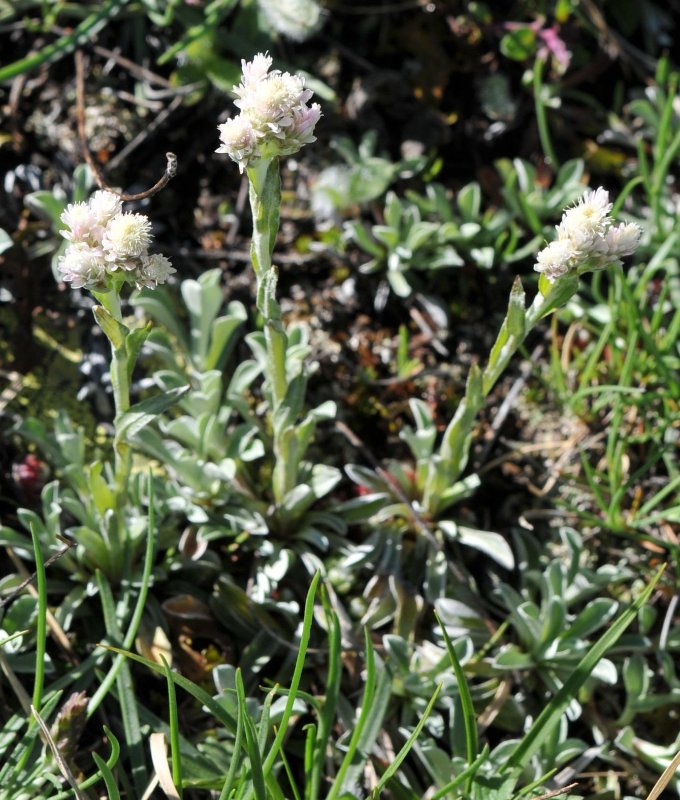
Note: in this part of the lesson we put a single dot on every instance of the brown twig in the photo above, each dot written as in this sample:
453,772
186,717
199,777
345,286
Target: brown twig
29,578
556,792
59,759
55,628
170,169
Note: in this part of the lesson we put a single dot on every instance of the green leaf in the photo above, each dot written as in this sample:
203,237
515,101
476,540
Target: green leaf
133,345
115,331
597,613
144,412
488,542
398,283
5,241
469,200
47,206
223,340
519,44
557,293
469,718
157,304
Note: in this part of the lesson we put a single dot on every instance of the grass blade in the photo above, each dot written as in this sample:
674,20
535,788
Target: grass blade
174,730
65,44
366,711
469,720
408,744
136,618
327,713
297,674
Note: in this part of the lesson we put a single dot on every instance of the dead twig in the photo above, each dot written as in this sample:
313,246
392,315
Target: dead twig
61,761
171,166
556,792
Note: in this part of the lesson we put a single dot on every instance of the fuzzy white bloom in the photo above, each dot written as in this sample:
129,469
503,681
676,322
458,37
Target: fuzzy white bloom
591,213
153,271
82,265
238,140
274,120
126,236
105,242
623,240
555,260
79,220
295,19
105,205
586,239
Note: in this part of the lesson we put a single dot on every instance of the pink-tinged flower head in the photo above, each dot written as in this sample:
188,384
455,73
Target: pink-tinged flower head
79,221
274,120
304,122
254,71
238,140
107,242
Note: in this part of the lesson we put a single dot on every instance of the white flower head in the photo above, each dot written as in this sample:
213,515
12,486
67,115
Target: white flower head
270,103
623,240
589,217
253,71
104,206
238,140
126,236
586,240
274,120
555,260
83,266
153,270
79,221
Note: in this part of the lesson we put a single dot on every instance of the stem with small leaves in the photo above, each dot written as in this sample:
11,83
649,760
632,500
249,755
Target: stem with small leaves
110,318
265,204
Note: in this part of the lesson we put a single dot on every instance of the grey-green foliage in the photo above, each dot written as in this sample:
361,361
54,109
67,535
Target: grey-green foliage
536,206
84,493
365,176
215,447
552,625
422,234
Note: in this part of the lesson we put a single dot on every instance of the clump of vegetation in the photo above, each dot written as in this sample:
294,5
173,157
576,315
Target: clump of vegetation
314,526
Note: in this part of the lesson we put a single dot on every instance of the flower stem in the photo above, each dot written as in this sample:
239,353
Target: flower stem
265,203
120,381
542,117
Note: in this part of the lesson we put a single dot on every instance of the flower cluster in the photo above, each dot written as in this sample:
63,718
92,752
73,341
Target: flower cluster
105,243
275,119
587,239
